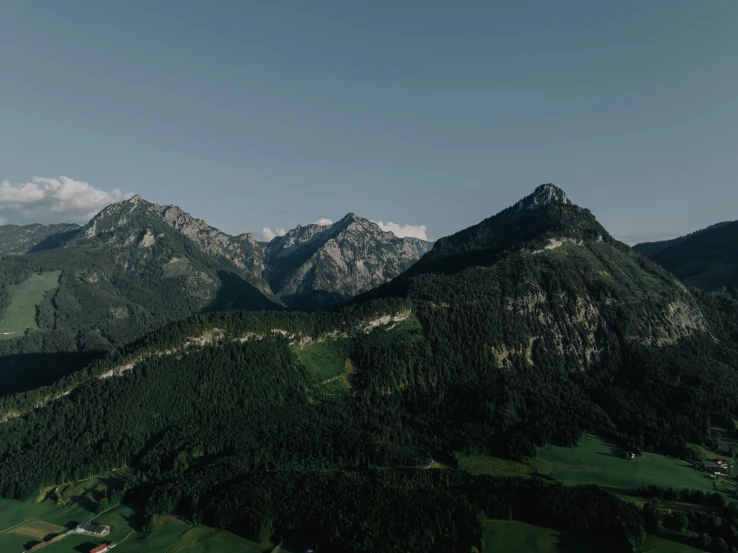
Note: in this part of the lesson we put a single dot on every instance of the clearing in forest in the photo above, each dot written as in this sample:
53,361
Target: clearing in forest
502,536
596,461
20,315
328,362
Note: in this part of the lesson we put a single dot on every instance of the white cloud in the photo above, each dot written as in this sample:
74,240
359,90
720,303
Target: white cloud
323,221
267,234
54,200
402,231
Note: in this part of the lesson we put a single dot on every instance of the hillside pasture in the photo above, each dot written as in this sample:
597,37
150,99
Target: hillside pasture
501,536
26,523
326,359
596,461
174,535
39,529
20,314
494,466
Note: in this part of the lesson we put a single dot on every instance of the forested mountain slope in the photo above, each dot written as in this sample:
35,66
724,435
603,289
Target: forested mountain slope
15,239
133,268
529,328
707,259
138,265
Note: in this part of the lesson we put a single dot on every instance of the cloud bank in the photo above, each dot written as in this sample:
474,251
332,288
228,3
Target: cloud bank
323,221
267,234
53,200
403,231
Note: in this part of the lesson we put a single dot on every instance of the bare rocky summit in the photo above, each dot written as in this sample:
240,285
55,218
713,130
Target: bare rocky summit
318,266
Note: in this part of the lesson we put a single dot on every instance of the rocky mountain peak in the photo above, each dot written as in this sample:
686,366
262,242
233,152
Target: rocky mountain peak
353,222
543,195
114,216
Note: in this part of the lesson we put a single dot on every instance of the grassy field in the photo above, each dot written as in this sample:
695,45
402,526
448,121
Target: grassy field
20,315
494,466
173,535
596,462
506,536
325,359
26,523
23,524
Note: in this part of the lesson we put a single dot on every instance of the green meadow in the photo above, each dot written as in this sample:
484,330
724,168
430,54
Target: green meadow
26,523
172,535
325,360
20,314
501,536
596,461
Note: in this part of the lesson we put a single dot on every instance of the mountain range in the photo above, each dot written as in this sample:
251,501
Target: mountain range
706,259
533,327
137,265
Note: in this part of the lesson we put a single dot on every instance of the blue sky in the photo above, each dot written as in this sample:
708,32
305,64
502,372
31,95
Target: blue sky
266,114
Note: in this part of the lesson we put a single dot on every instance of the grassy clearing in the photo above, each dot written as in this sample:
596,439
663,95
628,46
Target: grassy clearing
325,360
596,462
26,523
173,535
494,466
167,532
655,544
203,539
20,315
506,536
39,529
15,513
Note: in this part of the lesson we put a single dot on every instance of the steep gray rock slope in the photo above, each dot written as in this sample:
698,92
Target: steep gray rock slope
319,266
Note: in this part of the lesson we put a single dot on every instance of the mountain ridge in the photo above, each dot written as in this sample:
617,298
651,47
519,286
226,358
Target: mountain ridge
137,265
707,258
533,327
21,239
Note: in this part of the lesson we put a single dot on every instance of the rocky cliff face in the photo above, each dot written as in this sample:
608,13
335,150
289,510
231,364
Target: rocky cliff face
136,221
543,195
319,266
311,267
